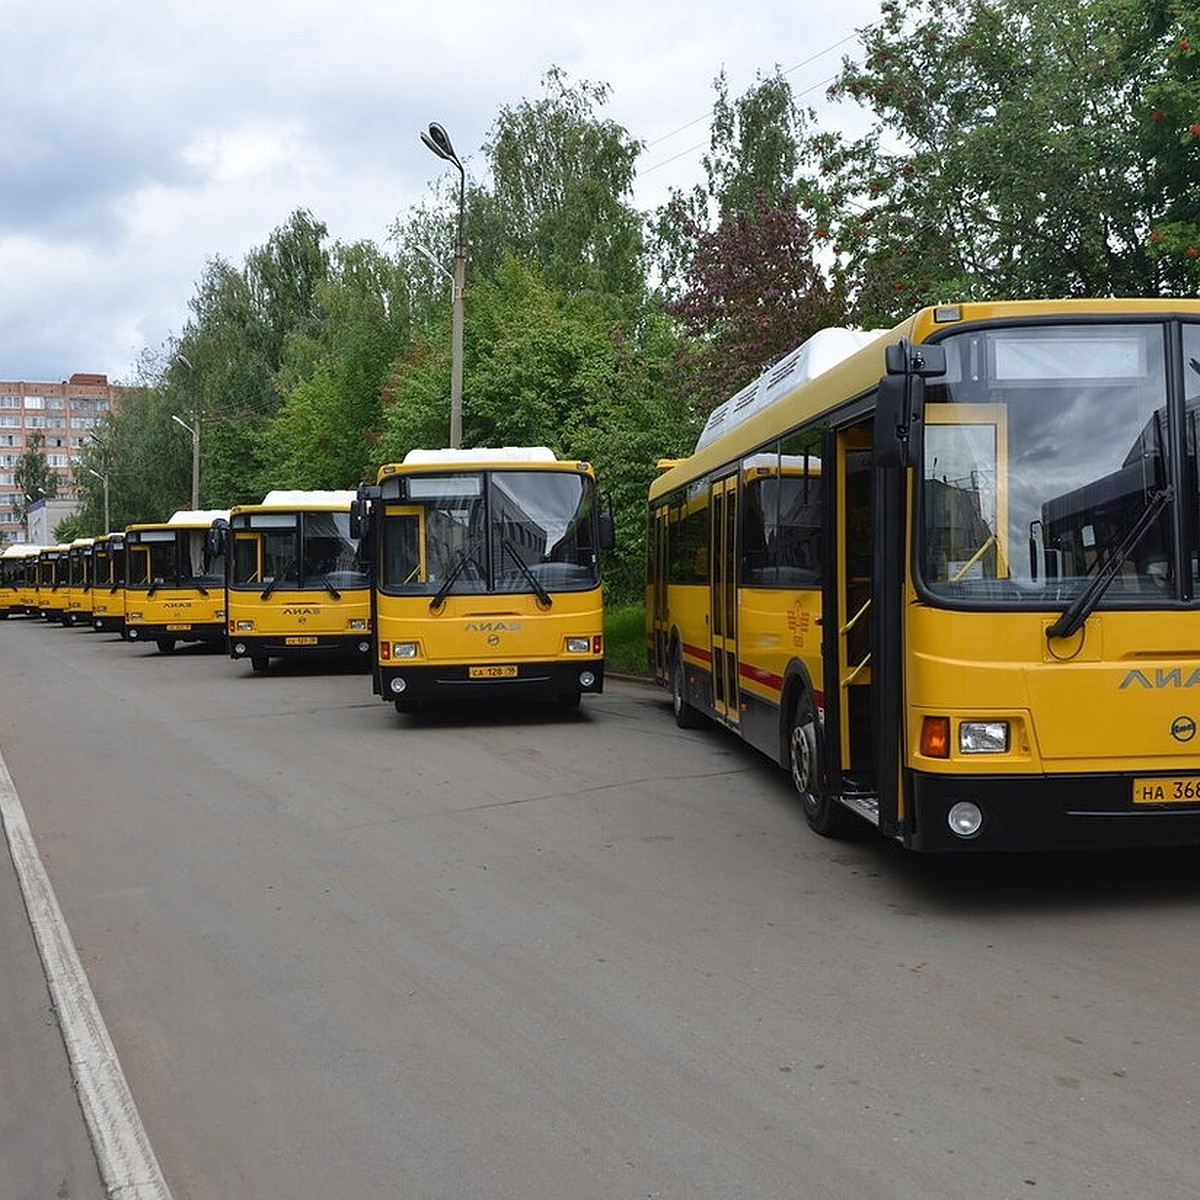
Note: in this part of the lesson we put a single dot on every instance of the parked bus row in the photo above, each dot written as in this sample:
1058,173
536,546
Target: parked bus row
458,574
946,575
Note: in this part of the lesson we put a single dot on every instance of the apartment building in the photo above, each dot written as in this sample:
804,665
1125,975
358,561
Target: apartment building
64,413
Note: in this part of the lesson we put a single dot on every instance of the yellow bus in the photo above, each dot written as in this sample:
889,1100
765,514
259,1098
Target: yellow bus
486,576
948,575
12,564
79,582
108,583
52,575
175,580
296,585
23,568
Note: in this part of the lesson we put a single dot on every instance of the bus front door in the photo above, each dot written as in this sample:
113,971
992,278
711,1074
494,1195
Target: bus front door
723,601
848,591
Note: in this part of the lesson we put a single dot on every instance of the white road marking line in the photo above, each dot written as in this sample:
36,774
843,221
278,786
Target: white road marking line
127,1163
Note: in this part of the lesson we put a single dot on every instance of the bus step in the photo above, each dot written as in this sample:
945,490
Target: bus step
864,803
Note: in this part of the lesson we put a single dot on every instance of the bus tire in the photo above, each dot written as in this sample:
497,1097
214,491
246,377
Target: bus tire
259,663
823,814
686,717
166,645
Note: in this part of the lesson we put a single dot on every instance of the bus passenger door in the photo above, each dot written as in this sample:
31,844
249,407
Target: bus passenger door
656,600
847,591
723,601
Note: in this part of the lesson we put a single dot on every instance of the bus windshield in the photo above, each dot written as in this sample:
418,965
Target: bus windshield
489,531
172,558
1049,452
295,551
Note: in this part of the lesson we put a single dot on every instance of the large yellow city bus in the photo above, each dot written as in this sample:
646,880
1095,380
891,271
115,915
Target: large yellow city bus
79,583
486,576
23,565
12,563
175,580
296,585
108,582
950,579
52,574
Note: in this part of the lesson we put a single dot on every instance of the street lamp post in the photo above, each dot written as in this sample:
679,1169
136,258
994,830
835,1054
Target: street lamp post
104,480
194,430
438,140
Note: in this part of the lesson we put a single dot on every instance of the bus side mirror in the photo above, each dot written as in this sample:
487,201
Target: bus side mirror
608,531
217,541
900,401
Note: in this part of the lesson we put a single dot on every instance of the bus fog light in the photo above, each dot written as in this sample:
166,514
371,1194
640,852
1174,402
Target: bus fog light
579,645
239,648
983,737
398,685
364,647
586,679
965,819
132,634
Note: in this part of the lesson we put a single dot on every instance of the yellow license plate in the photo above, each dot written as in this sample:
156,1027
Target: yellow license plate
300,641
507,672
177,628
1167,789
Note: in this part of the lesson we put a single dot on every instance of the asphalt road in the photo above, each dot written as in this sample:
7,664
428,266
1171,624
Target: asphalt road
527,954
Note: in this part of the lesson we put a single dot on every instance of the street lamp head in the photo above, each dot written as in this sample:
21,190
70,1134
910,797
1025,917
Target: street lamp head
438,140
180,421
184,361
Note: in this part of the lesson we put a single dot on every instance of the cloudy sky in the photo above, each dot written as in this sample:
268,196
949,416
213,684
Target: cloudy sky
140,138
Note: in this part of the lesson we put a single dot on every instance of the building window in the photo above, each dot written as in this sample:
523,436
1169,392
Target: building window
34,401
33,421
10,401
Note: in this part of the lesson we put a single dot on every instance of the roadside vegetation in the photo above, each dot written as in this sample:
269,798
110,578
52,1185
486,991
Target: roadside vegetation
1011,149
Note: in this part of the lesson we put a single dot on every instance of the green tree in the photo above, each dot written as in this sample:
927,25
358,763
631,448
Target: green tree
1015,153
322,435
562,178
753,163
33,476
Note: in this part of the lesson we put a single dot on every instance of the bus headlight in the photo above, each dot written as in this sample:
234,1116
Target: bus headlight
579,645
965,819
404,649
983,737
356,623
244,626
137,616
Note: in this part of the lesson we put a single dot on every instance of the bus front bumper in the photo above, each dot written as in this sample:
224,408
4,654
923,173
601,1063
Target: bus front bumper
1046,812
199,631
245,646
417,684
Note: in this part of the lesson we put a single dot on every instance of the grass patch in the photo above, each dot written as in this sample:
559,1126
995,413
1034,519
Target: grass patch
625,639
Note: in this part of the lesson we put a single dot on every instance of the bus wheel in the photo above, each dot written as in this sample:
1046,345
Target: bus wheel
166,645
823,814
686,717
259,663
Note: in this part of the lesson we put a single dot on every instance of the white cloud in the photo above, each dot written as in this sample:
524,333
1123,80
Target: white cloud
167,135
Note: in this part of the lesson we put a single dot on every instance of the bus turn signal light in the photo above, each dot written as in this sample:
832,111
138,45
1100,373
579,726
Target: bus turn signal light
935,737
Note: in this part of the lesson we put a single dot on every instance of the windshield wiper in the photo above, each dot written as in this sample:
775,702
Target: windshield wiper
332,590
543,596
1082,606
455,571
272,584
